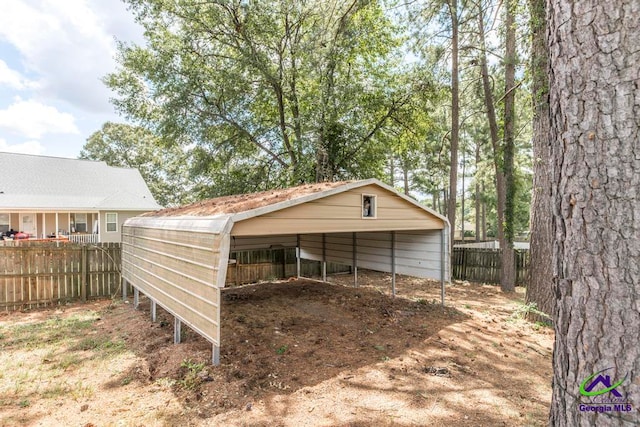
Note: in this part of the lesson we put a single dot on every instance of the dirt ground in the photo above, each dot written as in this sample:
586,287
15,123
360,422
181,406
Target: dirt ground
293,353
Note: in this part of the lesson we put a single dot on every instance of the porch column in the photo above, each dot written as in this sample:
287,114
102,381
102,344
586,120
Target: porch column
44,225
99,228
57,227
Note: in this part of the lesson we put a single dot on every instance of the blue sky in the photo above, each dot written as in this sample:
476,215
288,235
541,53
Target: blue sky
53,55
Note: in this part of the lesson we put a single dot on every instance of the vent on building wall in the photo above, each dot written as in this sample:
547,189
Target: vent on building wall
368,206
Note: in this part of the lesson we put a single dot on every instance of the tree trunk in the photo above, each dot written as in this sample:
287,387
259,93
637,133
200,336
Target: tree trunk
477,195
455,116
406,182
595,116
493,127
539,286
405,177
484,215
445,202
508,266
392,171
464,162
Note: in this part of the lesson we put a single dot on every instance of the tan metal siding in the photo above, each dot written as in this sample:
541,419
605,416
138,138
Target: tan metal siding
179,270
271,226
341,213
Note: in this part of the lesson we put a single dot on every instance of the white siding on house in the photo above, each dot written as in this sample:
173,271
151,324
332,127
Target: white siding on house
123,216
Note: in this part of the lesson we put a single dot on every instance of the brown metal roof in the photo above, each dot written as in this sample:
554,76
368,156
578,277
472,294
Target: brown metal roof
245,202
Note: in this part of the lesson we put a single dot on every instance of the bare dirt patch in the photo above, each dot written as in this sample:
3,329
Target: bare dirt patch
293,353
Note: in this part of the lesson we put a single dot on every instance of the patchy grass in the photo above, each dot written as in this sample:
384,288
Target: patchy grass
38,357
54,331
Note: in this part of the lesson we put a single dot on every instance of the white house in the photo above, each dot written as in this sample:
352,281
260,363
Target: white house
86,201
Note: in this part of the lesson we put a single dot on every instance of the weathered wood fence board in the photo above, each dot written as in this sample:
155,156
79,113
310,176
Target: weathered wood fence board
483,265
42,274
269,264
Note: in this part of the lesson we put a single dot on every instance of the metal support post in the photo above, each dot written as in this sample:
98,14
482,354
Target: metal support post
393,263
136,298
215,355
177,329
354,244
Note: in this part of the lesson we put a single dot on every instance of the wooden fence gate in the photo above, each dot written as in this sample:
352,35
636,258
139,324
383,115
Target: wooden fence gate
40,274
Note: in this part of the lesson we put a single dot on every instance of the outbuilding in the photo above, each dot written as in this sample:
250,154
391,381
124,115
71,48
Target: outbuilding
178,257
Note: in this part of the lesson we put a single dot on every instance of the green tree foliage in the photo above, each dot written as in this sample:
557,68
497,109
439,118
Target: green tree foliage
266,93
162,167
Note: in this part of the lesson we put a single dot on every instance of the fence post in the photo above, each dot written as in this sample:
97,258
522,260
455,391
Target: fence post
83,274
463,273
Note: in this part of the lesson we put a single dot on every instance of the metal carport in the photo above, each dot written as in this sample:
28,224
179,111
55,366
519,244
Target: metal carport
178,257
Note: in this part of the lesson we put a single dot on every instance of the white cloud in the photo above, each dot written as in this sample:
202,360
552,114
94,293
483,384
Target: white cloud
33,119
67,44
14,79
29,147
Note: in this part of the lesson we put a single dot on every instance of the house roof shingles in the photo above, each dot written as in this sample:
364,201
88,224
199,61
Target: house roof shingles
41,182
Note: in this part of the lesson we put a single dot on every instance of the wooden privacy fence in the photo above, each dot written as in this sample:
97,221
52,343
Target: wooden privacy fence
46,273
483,265
270,264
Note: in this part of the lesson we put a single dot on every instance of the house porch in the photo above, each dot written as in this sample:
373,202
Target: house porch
80,227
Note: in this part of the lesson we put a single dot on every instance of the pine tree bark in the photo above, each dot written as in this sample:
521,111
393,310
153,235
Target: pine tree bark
455,119
508,264
595,117
493,126
539,286
477,201
503,153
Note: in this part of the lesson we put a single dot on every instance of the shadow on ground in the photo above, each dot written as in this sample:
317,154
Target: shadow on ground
278,338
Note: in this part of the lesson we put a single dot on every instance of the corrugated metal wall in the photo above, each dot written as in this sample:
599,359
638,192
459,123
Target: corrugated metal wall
418,253
243,243
176,265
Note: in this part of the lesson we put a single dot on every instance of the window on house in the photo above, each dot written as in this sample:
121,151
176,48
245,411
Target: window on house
4,222
368,206
80,223
112,222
